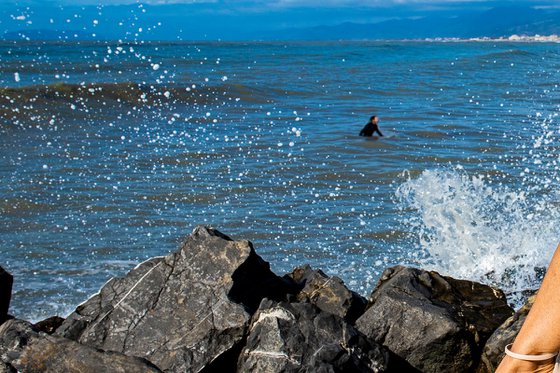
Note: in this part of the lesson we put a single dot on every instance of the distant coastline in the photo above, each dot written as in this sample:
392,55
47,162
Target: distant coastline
512,38
64,37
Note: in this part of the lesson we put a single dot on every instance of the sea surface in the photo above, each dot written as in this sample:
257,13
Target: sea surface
111,153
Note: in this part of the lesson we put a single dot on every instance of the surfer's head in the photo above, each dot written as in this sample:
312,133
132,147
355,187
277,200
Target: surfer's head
374,119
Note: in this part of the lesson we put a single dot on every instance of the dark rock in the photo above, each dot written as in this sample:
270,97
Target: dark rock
493,352
5,368
328,293
438,324
299,337
6,282
183,311
49,325
25,349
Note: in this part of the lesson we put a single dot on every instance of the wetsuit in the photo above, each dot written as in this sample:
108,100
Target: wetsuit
369,129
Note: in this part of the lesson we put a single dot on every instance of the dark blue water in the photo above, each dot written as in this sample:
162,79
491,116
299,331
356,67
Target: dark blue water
260,141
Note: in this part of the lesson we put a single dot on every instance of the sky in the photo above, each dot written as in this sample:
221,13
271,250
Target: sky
223,19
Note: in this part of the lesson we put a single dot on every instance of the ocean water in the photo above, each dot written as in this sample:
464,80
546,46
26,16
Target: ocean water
111,153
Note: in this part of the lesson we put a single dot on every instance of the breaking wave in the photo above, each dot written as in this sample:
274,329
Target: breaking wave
474,227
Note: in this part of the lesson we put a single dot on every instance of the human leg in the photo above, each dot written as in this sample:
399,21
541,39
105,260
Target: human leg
540,334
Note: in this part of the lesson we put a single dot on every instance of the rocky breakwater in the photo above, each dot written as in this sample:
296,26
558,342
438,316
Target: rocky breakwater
214,305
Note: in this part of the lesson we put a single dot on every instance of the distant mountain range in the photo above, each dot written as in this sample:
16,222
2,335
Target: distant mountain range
496,22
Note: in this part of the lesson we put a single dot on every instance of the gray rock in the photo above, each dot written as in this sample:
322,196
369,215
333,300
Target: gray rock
24,349
6,282
328,293
183,312
493,352
299,337
436,323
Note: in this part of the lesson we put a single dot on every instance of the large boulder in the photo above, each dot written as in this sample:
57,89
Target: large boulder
6,282
24,349
299,337
437,323
493,352
328,293
184,312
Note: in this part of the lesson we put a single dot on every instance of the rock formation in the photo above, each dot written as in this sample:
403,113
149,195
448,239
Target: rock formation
299,337
214,305
183,311
436,323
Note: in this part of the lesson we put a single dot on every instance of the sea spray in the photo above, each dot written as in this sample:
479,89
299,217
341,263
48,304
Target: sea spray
467,228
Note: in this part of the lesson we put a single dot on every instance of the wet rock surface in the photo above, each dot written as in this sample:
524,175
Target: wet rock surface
437,323
215,306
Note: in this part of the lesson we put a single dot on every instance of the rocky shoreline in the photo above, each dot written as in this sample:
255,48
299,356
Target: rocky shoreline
215,305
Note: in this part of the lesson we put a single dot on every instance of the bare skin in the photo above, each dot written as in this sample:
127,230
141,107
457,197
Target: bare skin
541,331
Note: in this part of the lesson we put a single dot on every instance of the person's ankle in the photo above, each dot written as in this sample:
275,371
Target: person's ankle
532,350
510,364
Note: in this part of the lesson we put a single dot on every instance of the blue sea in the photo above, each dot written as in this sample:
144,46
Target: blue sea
111,153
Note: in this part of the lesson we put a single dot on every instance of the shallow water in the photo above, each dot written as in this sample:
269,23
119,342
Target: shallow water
111,153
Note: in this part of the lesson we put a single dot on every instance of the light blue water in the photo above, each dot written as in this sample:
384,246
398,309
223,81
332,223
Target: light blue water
260,141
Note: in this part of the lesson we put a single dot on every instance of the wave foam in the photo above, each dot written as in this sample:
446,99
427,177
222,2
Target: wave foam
469,229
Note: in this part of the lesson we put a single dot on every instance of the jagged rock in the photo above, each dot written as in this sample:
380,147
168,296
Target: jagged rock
437,323
299,337
6,282
328,293
183,312
49,325
24,349
493,352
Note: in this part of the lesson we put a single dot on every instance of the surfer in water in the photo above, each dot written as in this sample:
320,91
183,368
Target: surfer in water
371,127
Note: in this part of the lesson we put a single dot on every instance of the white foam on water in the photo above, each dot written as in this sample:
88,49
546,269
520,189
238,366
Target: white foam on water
478,227
466,228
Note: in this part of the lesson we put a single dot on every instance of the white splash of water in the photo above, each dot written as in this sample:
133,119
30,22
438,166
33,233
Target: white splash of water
466,228
476,227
